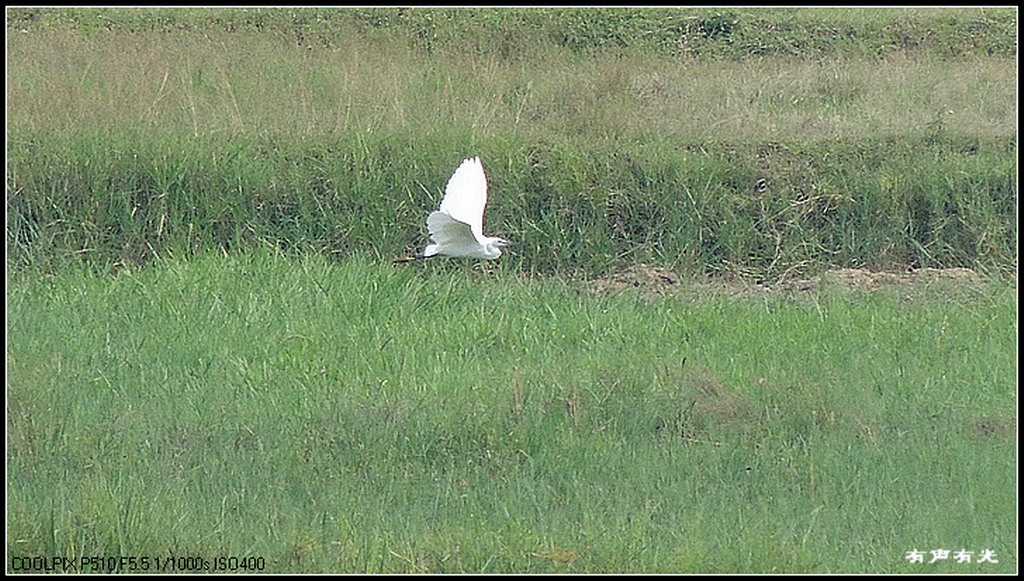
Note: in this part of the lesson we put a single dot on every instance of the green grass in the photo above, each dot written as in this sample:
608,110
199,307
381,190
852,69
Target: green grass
365,418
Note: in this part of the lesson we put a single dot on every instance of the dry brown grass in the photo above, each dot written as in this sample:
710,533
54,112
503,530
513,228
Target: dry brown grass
266,83
701,401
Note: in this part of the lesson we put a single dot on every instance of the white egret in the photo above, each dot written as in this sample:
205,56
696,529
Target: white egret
457,228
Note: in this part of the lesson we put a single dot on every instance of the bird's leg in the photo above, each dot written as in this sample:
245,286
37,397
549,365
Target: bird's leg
412,258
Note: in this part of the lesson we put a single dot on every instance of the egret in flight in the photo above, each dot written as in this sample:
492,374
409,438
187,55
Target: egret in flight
457,228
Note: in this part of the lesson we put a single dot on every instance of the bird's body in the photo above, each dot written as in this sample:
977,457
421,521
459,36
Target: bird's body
457,227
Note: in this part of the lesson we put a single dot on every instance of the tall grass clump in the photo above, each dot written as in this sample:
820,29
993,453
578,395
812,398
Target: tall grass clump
772,210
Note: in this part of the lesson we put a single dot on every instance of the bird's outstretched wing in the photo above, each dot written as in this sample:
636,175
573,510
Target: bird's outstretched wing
454,236
465,196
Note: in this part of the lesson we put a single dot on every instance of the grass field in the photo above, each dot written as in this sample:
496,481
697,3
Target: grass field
212,363
366,418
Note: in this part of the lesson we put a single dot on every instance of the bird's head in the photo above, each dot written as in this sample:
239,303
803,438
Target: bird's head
493,246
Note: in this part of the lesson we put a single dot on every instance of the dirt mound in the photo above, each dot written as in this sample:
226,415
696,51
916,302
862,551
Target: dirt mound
649,279
861,279
654,281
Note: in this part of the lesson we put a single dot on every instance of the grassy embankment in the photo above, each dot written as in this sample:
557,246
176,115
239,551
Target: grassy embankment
763,142
351,416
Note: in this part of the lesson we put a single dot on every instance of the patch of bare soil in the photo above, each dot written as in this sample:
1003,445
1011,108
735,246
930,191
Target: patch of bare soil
649,279
990,426
653,281
861,279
